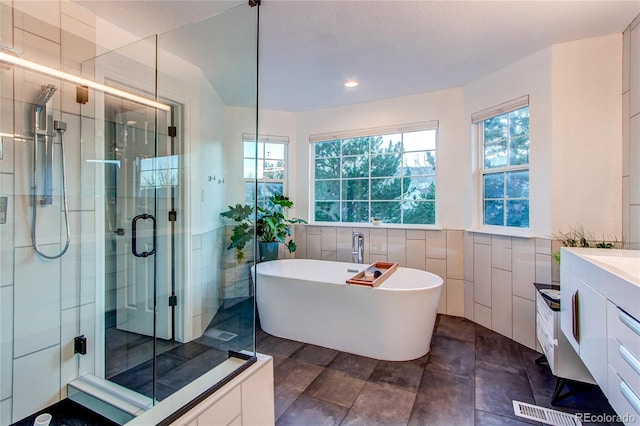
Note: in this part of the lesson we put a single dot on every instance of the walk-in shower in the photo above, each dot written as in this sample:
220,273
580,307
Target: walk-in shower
45,129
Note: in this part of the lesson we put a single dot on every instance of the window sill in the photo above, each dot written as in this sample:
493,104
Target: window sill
381,226
506,232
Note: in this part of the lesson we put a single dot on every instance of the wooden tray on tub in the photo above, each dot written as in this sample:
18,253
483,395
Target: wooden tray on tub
385,267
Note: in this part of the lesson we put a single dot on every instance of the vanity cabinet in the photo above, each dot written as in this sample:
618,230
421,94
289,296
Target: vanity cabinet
582,319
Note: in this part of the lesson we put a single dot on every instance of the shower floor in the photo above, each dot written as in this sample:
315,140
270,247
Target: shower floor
129,355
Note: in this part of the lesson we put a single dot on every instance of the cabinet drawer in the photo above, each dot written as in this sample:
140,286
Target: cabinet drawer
547,343
622,398
624,328
624,363
546,317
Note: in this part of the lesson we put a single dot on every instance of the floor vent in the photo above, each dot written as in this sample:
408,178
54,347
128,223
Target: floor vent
545,415
225,336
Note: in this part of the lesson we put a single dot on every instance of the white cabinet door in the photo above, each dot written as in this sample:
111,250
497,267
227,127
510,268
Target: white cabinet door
584,322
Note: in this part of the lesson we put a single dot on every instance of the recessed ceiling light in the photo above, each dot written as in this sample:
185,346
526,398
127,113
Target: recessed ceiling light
351,83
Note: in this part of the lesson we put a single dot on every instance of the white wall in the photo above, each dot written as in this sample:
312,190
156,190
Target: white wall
446,106
586,175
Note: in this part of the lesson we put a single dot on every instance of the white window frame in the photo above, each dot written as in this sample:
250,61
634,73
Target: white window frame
283,140
477,120
378,131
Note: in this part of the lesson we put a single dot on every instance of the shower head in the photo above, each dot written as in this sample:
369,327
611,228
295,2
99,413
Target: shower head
47,92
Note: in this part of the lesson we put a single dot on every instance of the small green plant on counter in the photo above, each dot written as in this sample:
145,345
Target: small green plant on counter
271,224
579,237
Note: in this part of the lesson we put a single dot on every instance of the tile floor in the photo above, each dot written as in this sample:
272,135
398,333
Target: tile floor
470,377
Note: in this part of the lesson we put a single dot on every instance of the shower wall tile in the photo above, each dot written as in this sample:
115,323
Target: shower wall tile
328,238
5,411
43,368
87,328
68,361
455,297
6,232
6,341
501,252
543,269
543,245
73,10
415,234
196,280
524,321
378,241
501,302
6,114
468,256
314,246
78,45
48,217
437,244
524,267
482,274
482,315
73,158
39,18
71,262
455,254
396,246
37,290
416,254
468,300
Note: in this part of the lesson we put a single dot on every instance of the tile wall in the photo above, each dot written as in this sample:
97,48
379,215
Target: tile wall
488,278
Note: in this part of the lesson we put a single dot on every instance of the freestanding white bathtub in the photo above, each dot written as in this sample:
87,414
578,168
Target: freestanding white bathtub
308,301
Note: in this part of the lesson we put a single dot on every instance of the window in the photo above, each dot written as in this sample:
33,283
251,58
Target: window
265,161
388,174
504,165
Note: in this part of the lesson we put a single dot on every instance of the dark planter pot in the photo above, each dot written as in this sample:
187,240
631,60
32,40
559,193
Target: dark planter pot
268,251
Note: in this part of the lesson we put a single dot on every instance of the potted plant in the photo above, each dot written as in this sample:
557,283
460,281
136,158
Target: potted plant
270,224
579,237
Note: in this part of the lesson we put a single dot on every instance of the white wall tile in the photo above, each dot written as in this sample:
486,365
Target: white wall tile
36,382
523,252
543,245
39,18
377,258
87,328
625,209
88,258
70,263
343,244
439,267
314,230
524,322
397,243
6,232
196,241
301,241
482,274
437,244
37,289
328,238
626,55
415,234
634,67
74,10
329,255
626,151
501,302
6,159
634,227
68,360
5,411
501,252
314,246
468,300
6,341
195,279
543,269
634,159
468,256
378,241
442,303
482,238
455,297
455,254
416,254
482,315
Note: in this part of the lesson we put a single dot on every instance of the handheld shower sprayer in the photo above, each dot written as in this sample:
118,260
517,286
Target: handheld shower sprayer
42,122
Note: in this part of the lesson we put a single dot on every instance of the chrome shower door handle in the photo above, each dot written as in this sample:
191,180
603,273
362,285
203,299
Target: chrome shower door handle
134,248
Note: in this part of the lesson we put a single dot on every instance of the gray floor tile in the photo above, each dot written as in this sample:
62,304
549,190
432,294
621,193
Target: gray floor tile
444,399
495,348
315,354
380,405
311,411
405,375
452,356
272,345
457,328
487,419
298,373
356,366
497,387
335,387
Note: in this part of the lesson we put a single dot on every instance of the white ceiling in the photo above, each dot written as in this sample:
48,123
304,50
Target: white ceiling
394,48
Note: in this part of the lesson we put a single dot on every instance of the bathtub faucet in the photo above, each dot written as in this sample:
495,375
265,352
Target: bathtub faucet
357,247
